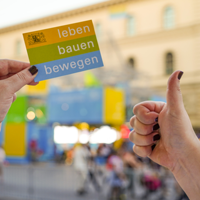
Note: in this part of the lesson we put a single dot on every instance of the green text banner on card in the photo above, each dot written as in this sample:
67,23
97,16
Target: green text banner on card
63,50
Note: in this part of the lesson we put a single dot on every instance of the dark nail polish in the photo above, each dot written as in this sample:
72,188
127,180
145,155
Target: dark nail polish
156,127
153,147
156,119
33,70
180,75
156,137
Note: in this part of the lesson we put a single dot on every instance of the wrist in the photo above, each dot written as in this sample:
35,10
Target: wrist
187,169
190,155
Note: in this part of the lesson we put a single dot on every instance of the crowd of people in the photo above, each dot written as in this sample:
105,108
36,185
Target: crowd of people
121,174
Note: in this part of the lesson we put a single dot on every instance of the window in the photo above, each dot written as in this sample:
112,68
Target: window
18,48
130,29
169,18
169,63
131,63
98,30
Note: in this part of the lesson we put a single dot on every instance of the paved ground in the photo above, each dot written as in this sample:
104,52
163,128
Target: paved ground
55,182
43,182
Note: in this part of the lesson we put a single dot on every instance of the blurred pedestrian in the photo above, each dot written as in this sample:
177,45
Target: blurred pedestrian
103,153
92,174
131,164
2,159
33,147
117,177
81,155
151,180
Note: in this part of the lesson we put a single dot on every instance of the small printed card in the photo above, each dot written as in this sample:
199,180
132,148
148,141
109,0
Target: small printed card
63,50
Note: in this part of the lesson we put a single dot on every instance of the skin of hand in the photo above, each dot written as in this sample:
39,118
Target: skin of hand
163,132
13,76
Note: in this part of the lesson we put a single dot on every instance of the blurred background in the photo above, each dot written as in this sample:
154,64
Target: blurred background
67,138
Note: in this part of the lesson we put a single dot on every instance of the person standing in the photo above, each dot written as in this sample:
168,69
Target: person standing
81,155
2,159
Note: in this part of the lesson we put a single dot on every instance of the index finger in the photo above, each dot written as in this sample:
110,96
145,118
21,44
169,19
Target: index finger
11,66
147,111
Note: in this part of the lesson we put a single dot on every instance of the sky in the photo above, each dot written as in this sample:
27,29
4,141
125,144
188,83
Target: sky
18,11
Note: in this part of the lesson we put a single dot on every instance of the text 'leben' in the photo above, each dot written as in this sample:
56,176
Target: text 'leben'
72,32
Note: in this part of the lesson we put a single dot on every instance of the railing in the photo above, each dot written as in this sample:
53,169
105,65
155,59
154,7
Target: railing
52,182
59,182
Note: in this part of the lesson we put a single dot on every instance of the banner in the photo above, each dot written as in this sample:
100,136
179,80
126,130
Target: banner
18,111
114,106
15,139
83,105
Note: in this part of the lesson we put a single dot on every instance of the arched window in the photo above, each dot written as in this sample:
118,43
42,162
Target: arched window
98,30
169,18
169,63
131,63
18,48
130,29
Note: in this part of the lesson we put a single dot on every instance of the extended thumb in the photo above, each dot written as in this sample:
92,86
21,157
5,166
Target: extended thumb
17,81
174,96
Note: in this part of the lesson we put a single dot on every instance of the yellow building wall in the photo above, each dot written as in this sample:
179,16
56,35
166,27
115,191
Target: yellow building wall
148,46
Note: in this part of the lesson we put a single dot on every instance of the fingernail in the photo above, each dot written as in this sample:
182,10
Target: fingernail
156,127
156,119
153,147
180,75
156,137
33,70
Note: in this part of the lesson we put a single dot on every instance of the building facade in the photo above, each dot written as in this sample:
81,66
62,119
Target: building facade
141,41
